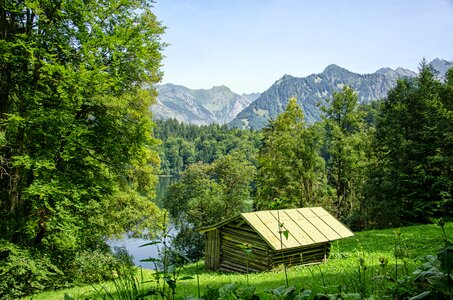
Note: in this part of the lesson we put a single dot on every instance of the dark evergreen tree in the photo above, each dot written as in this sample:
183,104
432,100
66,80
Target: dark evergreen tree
411,176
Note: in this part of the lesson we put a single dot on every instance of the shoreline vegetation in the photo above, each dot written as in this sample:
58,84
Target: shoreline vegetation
375,263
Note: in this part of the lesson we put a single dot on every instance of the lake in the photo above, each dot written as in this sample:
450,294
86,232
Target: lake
132,244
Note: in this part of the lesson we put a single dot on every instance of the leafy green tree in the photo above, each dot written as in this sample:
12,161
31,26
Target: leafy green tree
290,167
76,132
345,147
412,171
195,197
207,194
235,175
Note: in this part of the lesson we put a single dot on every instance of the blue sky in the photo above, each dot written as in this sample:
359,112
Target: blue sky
249,44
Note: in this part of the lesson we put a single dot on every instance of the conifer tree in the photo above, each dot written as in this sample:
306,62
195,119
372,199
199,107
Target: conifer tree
411,179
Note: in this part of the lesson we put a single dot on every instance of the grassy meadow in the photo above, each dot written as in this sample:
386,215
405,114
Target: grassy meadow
375,263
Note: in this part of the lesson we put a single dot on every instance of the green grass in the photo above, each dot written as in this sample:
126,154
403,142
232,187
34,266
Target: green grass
354,266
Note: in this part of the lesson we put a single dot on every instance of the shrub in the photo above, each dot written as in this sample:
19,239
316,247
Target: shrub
94,265
189,242
23,272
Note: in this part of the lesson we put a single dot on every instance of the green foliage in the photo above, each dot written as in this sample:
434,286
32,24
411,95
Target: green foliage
432,280
211,293
90,266
189,242
290,167
127,285
283,292
207,194
232,292
24,272
435,275
186,198
410,177
77,163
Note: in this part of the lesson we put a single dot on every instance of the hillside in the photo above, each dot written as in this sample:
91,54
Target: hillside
312,90
362,264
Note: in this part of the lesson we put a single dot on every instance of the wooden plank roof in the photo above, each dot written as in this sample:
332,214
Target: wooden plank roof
305,226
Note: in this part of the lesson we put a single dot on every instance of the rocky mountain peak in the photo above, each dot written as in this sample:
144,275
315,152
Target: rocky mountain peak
333,68
441,66
399,72
385,71
218,88
405,72
284,78
202,106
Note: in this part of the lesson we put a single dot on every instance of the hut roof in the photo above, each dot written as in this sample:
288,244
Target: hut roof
305,226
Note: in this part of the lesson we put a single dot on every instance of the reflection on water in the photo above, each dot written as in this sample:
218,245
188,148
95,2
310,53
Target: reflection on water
162,187
133,247
133,244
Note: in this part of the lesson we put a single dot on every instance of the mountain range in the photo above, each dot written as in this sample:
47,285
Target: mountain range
222,106
216,105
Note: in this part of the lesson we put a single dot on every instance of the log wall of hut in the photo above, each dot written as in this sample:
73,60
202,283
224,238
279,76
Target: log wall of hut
302,255
212,250
234,257
224,251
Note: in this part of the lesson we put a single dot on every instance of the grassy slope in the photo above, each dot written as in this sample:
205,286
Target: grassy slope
352,265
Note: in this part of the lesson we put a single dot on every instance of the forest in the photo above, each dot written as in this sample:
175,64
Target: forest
80,152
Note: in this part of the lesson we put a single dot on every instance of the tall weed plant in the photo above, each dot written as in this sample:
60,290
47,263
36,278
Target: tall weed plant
435,275
167,266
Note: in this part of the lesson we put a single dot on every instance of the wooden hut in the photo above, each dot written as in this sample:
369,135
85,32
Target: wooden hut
287,236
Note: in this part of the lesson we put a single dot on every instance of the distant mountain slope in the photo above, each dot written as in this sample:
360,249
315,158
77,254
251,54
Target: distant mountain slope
216,105
441,66
315,88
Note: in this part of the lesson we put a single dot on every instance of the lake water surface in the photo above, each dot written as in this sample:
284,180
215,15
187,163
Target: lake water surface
132,244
